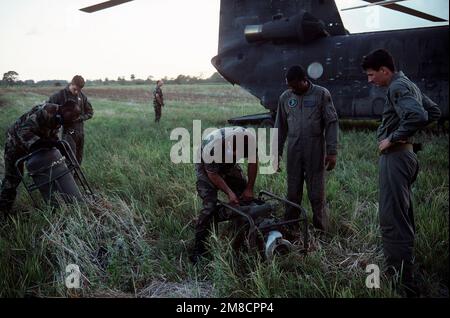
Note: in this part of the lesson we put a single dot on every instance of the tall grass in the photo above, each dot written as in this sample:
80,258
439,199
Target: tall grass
134,238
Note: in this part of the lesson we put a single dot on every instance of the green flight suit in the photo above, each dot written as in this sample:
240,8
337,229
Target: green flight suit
310,124
406,110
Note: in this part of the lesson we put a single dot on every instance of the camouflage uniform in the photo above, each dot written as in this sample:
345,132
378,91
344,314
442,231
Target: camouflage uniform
157,106
232,175
406,110
73,133
310,124
37,124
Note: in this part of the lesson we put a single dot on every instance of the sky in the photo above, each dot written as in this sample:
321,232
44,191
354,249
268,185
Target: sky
52,39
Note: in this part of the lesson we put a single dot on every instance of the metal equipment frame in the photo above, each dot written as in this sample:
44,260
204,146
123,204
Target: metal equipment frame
72,166
255,231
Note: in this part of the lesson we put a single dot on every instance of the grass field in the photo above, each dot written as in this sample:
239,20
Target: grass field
134,240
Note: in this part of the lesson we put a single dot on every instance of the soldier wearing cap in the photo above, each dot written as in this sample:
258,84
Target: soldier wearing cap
73,132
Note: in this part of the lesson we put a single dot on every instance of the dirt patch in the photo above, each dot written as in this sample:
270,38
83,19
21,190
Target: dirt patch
221,95
188,289
163,289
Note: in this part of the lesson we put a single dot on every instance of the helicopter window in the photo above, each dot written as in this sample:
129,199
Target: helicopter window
315,70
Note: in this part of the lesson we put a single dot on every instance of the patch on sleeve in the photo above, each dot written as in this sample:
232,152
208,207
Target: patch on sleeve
292,102
398,92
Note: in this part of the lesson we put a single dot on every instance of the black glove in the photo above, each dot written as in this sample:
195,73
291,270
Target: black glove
43,143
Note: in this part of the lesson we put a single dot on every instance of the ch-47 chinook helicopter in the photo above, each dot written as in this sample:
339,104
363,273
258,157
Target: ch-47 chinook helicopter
260,39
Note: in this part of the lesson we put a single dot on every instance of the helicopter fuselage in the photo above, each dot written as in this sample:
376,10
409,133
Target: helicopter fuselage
335,63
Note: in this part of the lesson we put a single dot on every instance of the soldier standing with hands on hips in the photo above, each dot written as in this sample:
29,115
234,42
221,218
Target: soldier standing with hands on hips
405,111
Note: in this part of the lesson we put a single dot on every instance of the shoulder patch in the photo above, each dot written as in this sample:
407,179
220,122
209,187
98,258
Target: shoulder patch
397,90
292,102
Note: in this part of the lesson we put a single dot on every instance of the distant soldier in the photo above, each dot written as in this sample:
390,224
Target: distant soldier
306,117
36,129
158,100
73,133
405,111
223,173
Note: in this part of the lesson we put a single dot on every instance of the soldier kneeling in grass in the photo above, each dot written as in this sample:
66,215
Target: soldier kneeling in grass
225,146
38,128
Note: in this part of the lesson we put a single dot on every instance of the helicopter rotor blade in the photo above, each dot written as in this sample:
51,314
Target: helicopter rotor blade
373,3
392,4
103,5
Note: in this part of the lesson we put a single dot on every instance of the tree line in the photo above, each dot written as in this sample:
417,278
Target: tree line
11,78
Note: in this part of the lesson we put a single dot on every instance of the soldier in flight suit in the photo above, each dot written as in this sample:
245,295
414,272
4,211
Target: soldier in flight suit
73,133
36,129
225,175
306,117
406,110
158,100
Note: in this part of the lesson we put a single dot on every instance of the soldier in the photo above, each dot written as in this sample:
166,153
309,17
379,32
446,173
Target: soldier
73,133
406,110
307,118
225,175
36,129
158,100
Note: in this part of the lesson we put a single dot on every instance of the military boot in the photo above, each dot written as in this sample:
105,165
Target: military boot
408,282
7,198
403,279
199,247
